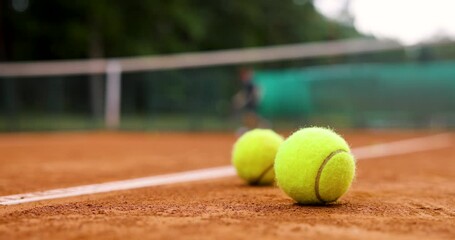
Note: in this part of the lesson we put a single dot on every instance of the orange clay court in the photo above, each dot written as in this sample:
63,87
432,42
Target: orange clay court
407,195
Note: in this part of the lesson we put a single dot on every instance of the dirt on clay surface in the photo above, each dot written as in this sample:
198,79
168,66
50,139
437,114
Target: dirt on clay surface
407,196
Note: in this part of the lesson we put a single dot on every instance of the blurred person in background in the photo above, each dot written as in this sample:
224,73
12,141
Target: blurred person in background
245,103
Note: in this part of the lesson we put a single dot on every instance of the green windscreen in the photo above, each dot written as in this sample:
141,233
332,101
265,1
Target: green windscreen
362,95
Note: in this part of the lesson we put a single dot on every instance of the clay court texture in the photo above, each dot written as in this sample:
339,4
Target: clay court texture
404,189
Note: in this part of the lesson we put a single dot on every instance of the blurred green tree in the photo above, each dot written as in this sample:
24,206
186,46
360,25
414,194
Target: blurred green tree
59,29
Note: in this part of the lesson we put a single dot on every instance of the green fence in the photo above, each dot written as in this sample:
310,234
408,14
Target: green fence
405,95
178,99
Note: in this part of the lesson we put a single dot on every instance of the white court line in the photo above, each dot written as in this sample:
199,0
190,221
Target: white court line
412,145
367,152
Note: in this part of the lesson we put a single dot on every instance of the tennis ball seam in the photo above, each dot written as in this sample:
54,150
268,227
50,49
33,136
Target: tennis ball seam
321,168
258,180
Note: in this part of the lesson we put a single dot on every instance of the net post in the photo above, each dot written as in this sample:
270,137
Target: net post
113,94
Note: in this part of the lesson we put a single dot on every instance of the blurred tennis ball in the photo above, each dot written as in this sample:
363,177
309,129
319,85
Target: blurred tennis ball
253,156
314,166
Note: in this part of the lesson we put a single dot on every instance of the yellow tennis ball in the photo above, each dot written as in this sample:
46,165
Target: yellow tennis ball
253,156
314,166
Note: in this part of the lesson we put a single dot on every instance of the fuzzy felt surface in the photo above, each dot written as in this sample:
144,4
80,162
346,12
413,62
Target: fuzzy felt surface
253,156
314,166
